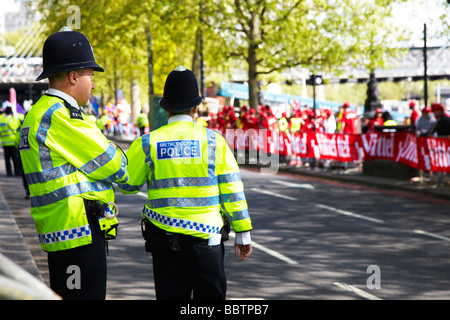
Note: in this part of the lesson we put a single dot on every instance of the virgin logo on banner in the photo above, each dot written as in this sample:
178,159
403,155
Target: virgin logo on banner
431,154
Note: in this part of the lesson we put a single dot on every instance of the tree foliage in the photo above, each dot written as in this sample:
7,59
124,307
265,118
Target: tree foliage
260,36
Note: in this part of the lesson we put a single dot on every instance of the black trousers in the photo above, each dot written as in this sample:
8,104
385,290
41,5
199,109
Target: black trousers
10,154
85,265
186,268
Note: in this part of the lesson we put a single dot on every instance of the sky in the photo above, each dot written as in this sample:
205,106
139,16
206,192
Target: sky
415,13
409,16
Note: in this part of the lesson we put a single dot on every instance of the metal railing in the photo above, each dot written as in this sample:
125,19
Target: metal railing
18,284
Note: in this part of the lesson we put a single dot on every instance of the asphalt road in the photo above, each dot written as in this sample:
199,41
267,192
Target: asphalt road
313,239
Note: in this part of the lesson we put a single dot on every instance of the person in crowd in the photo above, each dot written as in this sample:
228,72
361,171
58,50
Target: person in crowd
243,118
231,119
388,121
283,123
329,122
425,122
348,120
9,126
441,127
414,114
102,121
253,121
269,121
222,119
296,121
376,121
142,122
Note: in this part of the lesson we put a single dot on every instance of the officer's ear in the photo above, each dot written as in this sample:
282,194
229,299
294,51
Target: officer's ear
193,111
73,77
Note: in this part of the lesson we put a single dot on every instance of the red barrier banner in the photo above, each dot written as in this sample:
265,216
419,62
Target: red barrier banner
431,154
337,147
398,147
434,154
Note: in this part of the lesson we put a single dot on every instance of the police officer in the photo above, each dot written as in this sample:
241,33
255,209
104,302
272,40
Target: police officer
70,166
142,122
9,126
189,170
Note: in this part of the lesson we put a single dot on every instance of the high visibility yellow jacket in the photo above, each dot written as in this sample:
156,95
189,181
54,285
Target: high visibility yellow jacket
189,170
101,123
9,126
283,124
66,159
296,124
142,120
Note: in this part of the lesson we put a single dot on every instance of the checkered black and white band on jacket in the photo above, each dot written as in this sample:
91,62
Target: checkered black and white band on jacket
181,223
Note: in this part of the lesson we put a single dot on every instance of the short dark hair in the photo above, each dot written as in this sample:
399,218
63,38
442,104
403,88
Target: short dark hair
59,76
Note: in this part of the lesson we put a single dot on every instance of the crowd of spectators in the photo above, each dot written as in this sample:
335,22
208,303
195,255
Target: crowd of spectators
431,121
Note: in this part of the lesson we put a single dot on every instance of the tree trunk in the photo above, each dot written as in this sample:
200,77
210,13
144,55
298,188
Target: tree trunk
196,59
252,79
252,59
135,100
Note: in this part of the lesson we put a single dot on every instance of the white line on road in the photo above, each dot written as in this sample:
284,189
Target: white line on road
270,193
348,213
254,244
294,185
433,235
357,291
273,253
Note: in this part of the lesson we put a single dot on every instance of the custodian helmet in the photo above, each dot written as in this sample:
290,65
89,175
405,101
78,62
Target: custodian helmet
66,51
180,91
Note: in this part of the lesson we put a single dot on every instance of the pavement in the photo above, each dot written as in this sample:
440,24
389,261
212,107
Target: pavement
13,233
18,239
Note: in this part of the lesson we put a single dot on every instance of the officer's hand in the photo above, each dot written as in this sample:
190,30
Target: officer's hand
243,251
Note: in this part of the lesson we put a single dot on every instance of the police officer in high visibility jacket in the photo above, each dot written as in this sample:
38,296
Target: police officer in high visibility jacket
142,122
70,167
189,171
9,126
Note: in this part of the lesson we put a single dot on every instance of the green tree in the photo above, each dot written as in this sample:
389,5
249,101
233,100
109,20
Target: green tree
118,31
260,36
271,35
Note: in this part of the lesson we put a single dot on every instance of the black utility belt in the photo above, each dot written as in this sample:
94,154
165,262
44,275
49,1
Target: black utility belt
186,238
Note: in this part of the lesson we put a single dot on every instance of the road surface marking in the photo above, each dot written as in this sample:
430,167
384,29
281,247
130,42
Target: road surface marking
357,291
348,213
271,252
433,235
294,185
254,244
270,193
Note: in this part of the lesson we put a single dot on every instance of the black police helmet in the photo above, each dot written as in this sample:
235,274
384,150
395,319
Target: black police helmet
180,91
66,51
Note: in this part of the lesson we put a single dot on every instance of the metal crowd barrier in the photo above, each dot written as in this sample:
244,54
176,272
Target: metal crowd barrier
18,284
